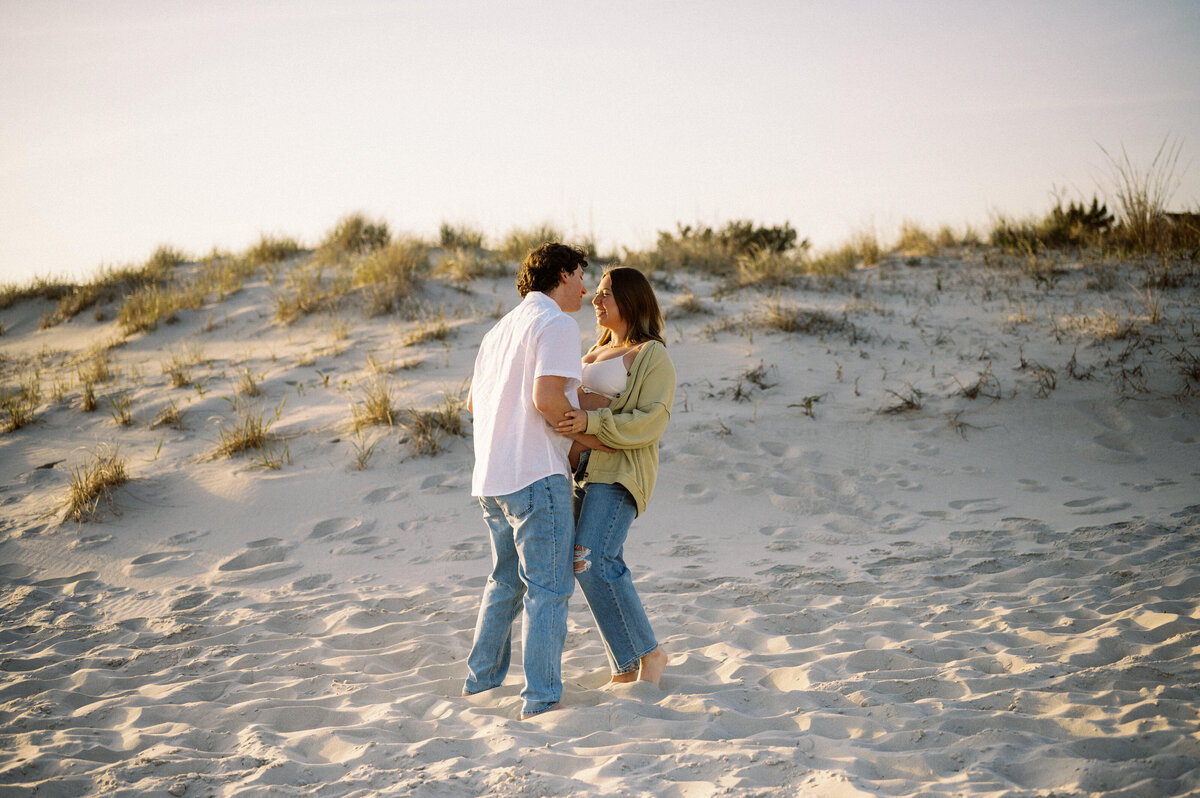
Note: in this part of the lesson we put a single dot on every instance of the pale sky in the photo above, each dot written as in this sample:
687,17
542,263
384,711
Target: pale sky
125,125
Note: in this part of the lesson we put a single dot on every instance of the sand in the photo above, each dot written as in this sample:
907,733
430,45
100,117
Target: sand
868,583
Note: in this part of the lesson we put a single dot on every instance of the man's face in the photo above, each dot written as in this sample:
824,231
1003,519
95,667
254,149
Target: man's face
574,291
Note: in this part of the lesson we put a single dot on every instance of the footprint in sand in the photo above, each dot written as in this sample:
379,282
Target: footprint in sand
262,560
155,563
1032,486
977,506
61,581
1148,487
92,541
1095,505
439,483
697,493
185,538
380,495
363,545
466,550
340,528
191,601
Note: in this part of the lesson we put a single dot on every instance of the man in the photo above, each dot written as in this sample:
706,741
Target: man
525,368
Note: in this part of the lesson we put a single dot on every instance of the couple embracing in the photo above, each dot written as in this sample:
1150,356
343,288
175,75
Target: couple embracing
566,454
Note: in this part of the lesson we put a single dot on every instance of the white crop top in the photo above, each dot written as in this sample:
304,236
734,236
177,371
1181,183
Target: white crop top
605,377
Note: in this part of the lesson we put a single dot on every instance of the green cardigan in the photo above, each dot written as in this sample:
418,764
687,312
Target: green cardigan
632,425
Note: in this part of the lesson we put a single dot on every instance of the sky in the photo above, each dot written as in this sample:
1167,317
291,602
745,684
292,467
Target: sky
130,124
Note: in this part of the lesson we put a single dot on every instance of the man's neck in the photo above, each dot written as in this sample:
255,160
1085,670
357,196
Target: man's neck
558,294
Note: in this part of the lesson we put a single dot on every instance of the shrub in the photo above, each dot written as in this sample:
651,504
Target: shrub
462,237
272,249
1142,196
355,234
717,251
390,275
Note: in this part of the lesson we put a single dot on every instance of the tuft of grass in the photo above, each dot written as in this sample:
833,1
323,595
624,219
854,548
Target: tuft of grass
424,428
169,416
354,234
908,401
112,283
87,398
97,368
461,265
21,405
121,409
378,403
250,430
1142,196
272,249
862,249
460,237
179,367
434,329
93,482
786,318
986,385
248,384
363,451
391,275
914,241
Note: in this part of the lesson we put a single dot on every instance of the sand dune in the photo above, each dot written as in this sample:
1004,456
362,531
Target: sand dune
988,596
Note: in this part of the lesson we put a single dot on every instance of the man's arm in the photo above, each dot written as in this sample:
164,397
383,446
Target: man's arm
550,399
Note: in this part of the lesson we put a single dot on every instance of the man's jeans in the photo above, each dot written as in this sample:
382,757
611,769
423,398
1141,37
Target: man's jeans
532,542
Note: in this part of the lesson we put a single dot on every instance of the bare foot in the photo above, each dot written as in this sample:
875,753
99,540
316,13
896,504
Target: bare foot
652,666
523,716
621,678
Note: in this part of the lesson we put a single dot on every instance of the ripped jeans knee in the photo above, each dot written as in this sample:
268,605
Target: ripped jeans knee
582,563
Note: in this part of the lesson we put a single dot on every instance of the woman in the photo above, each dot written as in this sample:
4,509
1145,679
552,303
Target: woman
629,387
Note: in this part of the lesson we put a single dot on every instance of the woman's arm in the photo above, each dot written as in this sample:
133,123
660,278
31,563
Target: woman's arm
637,426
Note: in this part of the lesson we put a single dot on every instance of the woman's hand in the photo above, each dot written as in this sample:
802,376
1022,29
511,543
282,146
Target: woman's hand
574,421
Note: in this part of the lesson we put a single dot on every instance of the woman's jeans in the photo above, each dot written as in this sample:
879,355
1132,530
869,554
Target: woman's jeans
603,514
531,534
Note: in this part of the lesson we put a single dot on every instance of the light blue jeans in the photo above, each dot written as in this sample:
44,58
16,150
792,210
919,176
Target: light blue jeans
603,514
531,534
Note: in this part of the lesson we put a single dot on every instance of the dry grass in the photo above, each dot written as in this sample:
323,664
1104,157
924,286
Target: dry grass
424,428
914,241
93,482
21,405
121,408
169,416
378,405
354,234
273,249
1142,196
250,430
390,276
461,265
907,400
985,385
429,329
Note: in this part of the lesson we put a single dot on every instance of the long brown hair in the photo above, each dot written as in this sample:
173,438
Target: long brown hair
637,305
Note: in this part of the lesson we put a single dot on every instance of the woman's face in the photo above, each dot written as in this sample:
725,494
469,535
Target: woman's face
607,314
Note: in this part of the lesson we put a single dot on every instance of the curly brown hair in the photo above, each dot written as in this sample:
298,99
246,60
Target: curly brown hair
544,267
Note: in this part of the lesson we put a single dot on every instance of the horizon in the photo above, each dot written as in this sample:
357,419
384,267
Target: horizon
134,124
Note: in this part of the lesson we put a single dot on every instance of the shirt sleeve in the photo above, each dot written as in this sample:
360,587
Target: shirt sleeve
557,353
